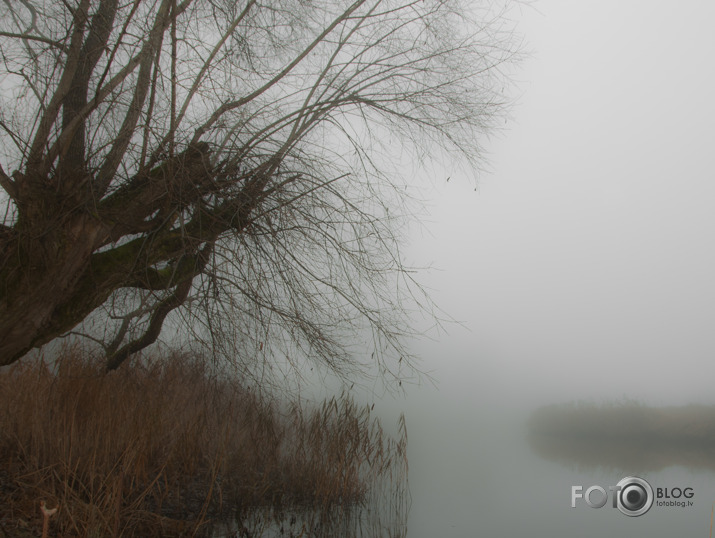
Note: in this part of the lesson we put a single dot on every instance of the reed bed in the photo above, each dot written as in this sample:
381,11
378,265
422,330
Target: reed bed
628,418
625,435
163,447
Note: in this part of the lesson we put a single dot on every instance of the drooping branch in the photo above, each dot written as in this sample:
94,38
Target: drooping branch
161,310
115,357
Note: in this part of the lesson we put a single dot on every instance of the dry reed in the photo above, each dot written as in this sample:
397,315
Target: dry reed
162,447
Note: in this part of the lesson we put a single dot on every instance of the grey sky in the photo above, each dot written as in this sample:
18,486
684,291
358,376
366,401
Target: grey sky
587,254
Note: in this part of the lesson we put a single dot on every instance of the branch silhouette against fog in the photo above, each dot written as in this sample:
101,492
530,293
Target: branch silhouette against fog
228,165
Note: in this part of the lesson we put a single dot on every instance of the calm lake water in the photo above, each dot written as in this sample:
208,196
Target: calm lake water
474,471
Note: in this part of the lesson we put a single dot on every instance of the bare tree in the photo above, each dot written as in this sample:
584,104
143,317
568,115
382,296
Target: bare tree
232,163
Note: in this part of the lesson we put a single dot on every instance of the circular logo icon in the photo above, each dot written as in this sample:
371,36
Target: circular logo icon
635,496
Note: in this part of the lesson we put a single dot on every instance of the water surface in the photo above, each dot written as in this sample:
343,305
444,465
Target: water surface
476,471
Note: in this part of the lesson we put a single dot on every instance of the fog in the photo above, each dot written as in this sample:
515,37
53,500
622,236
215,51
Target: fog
581,268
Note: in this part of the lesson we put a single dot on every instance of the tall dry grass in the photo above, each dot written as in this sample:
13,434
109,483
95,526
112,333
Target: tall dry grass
161,447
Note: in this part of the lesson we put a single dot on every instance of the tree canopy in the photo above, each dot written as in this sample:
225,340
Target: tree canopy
235,165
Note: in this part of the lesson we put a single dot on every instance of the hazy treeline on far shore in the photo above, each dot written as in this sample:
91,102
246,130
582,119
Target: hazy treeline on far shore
628,435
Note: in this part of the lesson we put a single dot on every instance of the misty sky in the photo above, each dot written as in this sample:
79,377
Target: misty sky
587,252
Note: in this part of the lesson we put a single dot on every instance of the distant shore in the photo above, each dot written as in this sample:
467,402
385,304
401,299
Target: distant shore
627,435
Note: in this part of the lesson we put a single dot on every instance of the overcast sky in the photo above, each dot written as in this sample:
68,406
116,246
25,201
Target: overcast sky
588,251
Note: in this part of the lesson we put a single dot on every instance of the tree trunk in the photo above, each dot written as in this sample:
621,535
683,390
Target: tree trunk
42,276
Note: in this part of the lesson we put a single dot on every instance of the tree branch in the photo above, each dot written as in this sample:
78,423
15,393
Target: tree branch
39,38
8,184
287,69
129,206
176,299
153,279
154,41
49,116
162,309
72,168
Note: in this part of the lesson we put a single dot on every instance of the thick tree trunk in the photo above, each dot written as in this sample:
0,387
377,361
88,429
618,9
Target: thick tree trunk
41,275
60,261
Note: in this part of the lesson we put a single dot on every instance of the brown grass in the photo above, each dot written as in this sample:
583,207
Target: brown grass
163,448
625,435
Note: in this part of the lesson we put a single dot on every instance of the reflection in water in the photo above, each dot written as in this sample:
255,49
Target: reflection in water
381,511
385,514
625,435
350,522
